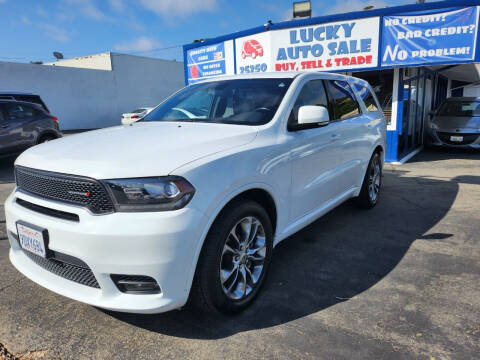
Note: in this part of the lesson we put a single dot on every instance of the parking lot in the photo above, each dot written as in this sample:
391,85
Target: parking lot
399,281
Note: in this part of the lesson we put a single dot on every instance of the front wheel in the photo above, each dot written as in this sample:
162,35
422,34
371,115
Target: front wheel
235,259
372,183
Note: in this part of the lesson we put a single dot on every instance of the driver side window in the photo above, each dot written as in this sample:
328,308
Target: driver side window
2,116
312,93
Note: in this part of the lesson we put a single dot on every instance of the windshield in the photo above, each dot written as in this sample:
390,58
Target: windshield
460,108
242,102
138,111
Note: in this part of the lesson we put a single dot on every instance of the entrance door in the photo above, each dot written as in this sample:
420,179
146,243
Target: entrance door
416,105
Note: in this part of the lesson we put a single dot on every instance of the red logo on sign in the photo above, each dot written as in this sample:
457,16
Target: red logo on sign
194,71
252,48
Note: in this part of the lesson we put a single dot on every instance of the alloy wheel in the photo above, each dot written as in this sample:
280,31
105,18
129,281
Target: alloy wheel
243,258
374,179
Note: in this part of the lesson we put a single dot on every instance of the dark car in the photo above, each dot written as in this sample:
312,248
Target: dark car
24,124
456,123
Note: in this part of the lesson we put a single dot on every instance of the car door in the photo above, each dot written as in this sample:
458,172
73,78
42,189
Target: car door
19,130
351,130
314,155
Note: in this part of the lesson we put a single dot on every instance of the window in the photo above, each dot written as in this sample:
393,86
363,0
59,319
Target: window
369,100
460,108
20,111
2,117
312,93
241,102
343,100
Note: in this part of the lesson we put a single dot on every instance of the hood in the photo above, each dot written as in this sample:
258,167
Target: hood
139,150
452,123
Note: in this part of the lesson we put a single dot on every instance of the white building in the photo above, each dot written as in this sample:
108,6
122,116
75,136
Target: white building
93,91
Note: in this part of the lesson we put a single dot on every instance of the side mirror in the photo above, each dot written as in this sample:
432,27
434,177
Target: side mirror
310,114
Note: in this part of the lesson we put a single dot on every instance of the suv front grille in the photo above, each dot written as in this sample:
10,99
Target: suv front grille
79,274
72,189
467,138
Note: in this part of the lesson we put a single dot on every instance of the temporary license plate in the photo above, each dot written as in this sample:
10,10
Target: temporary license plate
32,238
456,138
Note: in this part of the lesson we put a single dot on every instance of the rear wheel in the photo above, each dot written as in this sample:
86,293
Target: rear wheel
372,183
235,259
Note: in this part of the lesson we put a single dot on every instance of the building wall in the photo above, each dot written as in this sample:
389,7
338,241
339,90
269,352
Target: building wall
97,61
471,90
88,98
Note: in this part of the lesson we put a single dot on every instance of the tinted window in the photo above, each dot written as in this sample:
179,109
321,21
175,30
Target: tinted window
2,117
343,100
242,102
32,99
20,111
460,108
369,100
312,93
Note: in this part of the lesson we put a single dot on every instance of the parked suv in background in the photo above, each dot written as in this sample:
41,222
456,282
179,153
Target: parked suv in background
456,123
211,180
24,124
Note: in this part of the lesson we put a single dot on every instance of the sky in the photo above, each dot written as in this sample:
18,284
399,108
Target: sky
33,29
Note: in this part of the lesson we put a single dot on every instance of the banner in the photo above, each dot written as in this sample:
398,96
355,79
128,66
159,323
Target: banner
209,61
345,45
429,38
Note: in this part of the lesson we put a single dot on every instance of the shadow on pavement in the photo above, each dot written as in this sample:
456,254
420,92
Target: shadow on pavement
337,257
444,153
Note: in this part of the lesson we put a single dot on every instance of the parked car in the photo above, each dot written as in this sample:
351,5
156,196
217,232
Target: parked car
252,48
211,180
456,123
24,124
135,115
28,97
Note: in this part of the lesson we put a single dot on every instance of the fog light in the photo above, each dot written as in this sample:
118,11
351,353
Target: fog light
136,284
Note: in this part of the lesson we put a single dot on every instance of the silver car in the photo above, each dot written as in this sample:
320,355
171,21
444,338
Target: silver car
456,123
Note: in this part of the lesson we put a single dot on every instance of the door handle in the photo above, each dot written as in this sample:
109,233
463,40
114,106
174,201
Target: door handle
335,137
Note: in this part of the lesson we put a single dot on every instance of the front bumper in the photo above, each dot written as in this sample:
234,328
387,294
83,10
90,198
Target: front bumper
160,245
442,138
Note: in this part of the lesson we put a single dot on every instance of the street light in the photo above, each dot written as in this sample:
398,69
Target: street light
302,9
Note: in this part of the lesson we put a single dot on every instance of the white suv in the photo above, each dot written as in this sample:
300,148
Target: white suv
189,202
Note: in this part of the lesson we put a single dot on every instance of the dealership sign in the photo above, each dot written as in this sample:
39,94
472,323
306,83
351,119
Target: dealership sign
429,38
209,61
334,46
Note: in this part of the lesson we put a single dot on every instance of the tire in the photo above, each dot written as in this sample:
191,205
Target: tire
209,289
372,183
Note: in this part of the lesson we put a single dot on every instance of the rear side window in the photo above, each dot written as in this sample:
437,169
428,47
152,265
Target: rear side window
343,100
365,93
33,99
370,102
20,111
2,117
312,93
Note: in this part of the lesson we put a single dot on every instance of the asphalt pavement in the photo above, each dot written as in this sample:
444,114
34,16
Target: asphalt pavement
400,281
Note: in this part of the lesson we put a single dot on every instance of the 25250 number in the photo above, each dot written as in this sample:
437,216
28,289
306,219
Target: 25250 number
253,68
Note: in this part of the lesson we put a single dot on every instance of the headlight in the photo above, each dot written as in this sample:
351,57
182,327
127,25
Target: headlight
150,194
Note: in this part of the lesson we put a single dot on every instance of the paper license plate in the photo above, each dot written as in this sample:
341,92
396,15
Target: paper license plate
32,239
